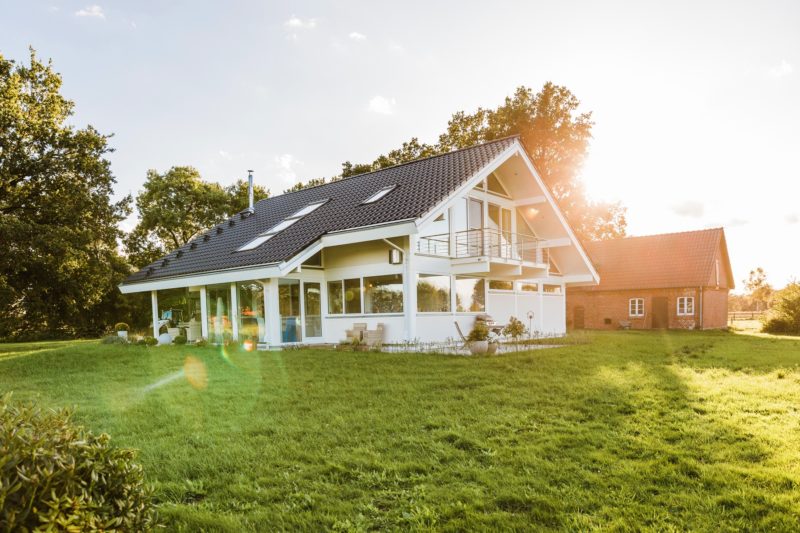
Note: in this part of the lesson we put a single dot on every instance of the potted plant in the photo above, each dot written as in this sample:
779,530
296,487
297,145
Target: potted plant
478,338
122,329
494,343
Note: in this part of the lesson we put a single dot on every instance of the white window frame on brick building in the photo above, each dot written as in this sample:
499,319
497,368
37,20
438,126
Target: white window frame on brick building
686,306
636,307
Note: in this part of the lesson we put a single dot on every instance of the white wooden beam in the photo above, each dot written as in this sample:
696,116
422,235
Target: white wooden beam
555,243
203,313
234,312
533,200
154,307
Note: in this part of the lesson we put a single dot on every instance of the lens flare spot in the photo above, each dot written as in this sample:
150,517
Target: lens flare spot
196,373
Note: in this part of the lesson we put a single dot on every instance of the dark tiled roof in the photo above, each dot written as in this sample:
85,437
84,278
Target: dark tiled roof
420,186
670,260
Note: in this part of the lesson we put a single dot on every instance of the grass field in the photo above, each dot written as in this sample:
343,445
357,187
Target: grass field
630,431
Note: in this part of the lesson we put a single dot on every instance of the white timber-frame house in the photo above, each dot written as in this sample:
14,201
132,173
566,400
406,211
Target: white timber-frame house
415,247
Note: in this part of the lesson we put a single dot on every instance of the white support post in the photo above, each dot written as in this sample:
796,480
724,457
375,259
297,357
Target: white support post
203,313
234,312
451,230
410,289
273,313
485,225
267,335
154,303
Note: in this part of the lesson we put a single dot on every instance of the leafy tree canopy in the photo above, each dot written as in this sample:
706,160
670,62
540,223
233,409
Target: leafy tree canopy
58,226
176,205
556,136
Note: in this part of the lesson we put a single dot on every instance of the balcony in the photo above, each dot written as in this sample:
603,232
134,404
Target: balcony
486,244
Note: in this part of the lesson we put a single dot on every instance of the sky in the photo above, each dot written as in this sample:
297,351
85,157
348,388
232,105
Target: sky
695,104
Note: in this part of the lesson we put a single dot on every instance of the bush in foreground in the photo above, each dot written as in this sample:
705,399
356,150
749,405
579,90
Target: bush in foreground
55,475
784,317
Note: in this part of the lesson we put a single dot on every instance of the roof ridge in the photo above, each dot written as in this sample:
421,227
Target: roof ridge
631,237
417,160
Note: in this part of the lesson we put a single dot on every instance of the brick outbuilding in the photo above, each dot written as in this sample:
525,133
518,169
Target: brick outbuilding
673,280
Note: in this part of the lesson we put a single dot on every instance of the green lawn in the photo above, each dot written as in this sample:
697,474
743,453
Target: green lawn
630,431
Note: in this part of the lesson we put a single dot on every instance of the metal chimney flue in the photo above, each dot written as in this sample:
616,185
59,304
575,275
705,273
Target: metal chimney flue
250,190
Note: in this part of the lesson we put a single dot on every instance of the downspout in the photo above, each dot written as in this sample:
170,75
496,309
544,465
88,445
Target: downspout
701,307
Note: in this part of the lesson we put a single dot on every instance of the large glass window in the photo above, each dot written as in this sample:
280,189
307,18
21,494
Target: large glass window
352,296
500,285
383,294
312,300
218,301
433,293
252,323
344,296
335,298
289,308
470,294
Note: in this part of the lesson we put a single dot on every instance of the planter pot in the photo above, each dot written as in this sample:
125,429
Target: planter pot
492,348
479,347
123,334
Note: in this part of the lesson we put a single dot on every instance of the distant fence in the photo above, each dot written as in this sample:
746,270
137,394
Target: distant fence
733,316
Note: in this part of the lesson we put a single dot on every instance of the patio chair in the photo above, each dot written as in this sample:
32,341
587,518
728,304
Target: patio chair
464,341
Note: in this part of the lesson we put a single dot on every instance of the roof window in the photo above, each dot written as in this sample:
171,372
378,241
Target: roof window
282,225
378,195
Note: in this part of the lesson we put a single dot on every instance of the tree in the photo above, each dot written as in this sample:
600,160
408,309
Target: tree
758,289
784,316
177,205
239,195
554,133
58,226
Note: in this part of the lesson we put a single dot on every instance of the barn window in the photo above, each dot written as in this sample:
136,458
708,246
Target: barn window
686,306
636,307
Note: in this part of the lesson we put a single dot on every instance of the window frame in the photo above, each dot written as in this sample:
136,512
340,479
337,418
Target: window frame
558,289
510,289
283,225
421,276
639,307
367,310
378,195
686,301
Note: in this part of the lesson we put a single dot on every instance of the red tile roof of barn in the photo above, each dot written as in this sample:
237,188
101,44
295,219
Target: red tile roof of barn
659,261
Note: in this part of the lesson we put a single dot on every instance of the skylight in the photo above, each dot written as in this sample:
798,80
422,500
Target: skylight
378,195
282,225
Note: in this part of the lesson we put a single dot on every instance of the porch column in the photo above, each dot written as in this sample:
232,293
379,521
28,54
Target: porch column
273,316
410,289
267,336
451,240
234,314
203,313
154,304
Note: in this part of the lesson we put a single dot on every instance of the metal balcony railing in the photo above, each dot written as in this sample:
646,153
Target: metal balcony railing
485,242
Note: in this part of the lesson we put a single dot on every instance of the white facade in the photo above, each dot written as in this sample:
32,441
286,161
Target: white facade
498,246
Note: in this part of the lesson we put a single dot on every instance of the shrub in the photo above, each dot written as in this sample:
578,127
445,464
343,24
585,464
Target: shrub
113,339
515,328
201,343
121,326
55,475
784,317
150,341
179,339
233,346
479,332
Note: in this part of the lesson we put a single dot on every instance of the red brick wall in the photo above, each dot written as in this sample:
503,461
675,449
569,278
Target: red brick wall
715,308
601,305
